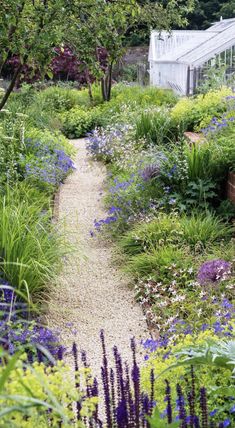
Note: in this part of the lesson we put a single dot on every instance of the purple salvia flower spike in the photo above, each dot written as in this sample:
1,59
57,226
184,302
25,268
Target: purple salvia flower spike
182,411
152,383
136,383
168,400
113,395
204,410
130,404
105,379
88,376
77,384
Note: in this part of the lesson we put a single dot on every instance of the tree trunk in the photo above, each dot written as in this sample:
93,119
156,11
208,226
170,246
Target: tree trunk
89,85
103,89
10,87
110,73
106,83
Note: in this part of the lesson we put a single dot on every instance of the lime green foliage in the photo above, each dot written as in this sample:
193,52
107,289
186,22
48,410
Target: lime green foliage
30,246
124,107
77,122
143,96
190,112
211,377
28,392
156,421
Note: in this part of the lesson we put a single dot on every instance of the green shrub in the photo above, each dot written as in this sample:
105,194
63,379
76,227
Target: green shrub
30,246
40,396
226,210
77,122
52,140
58,99
190,112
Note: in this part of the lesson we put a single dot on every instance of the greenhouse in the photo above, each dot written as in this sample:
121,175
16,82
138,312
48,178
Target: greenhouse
179,60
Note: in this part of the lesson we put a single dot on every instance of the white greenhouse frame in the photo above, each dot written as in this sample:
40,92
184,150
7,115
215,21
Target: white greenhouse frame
177,59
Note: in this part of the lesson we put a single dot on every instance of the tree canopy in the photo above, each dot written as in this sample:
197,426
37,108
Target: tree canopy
32,29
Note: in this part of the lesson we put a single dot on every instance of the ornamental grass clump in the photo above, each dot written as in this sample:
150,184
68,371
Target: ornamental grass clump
31,246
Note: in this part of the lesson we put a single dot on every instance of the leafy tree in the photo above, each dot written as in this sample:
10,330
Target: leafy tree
29,29
227,9
105,24
207,12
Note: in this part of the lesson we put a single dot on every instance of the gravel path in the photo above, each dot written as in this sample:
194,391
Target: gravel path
92,294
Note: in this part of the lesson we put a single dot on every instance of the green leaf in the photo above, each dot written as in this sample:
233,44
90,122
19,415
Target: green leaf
49,74
8,369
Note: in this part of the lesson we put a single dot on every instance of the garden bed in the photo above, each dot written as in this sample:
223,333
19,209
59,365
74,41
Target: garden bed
169,216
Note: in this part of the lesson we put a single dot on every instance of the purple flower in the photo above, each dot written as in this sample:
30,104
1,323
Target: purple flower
218,328
114,210
226,423
226,304
49,166
150,172
213,271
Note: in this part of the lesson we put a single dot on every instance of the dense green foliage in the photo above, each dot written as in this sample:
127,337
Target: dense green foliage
29,245
169,215
167,211
34,159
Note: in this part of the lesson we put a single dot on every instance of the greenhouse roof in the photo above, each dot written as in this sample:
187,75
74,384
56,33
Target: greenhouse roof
221,25
192,47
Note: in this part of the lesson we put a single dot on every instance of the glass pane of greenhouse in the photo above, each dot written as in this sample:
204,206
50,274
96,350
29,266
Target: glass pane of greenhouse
180,59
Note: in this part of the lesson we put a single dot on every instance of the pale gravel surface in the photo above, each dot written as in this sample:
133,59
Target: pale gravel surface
91,293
